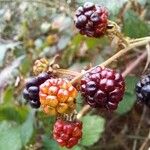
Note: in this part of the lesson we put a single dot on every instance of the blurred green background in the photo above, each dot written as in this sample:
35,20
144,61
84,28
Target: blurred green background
43,28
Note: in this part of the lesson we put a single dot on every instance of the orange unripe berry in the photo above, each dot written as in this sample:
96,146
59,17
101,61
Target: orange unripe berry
52,100
62,95
62,108
57,96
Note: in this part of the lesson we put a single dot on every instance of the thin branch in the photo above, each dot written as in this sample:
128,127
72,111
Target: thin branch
145,142
134,64
139,127
114,57
67,72
84,110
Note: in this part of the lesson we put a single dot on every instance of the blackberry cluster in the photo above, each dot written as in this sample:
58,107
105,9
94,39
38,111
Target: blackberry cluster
91,20
31,91
143,90
103,88
57,96
67,133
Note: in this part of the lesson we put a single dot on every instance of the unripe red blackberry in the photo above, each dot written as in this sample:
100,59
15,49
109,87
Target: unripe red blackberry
67,133
91,20
31,91
103,88
57,96
143,90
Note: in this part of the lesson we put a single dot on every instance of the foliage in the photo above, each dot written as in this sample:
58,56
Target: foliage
30,30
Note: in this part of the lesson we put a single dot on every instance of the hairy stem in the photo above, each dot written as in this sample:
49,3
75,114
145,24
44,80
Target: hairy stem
67,72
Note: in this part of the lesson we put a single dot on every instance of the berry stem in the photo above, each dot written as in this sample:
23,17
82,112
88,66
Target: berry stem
113,29
67,72
114,57
139,39
83,111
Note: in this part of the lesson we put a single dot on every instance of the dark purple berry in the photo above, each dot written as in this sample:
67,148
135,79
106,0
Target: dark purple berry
33,81
103,88
35,104
31,91
43,77
91,20
143,90
88,6
26,94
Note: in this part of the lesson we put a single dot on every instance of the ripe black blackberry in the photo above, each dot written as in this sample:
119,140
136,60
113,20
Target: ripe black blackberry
143,90
103,88
31,91
91,20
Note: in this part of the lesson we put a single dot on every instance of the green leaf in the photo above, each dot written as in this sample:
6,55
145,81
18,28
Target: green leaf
77,39
93,127
14,136
27,129
9,137
49,144
126,104
26,65
79,102
13,113
74,148
130,83
129,98
8,94
133,26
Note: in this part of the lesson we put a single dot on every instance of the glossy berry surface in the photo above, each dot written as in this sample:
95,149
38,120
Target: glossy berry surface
143,90
67,133
103,88
57,96
91,20
31,91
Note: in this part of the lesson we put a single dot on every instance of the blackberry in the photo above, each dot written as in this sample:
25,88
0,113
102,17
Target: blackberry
91,20
67,133
143,90
103,88
31,91
57,96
